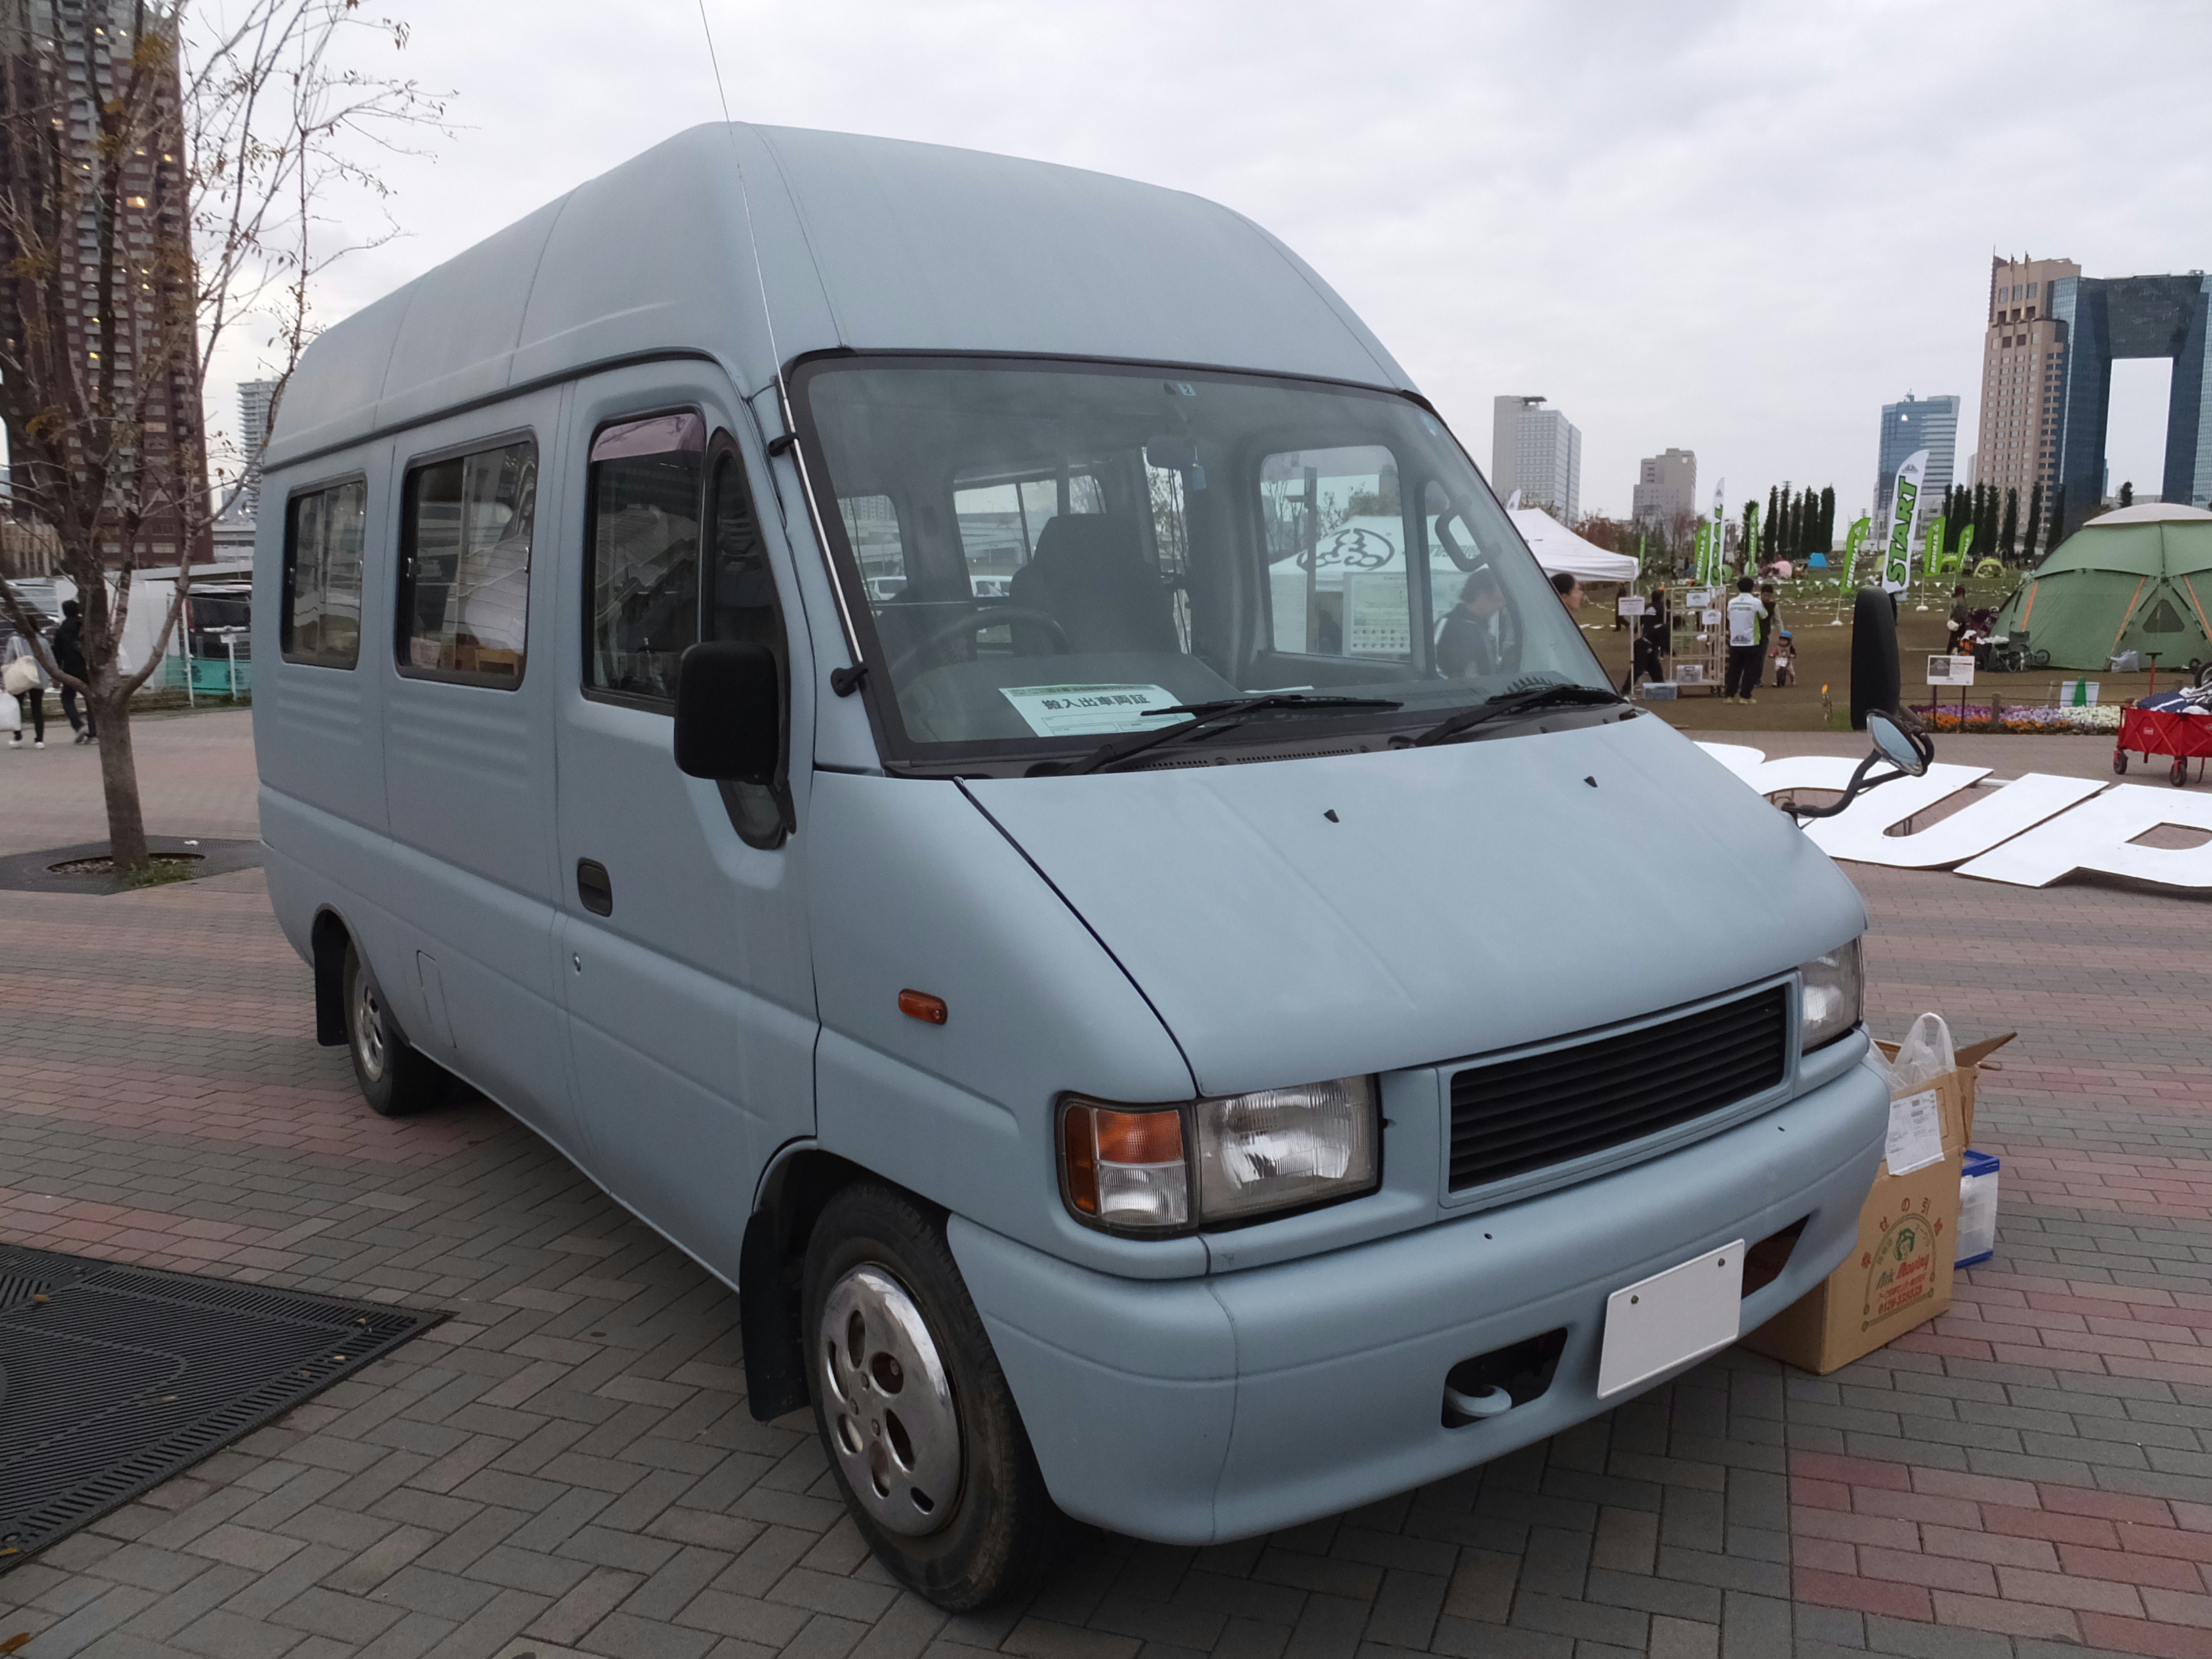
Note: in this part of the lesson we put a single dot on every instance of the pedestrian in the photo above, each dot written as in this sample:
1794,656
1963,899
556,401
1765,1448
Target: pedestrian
1959,617
1769,624
69,657
1569,587
1649,660
22,678
1744,614
1469,644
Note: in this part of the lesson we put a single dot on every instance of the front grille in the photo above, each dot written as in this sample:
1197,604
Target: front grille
1528,1114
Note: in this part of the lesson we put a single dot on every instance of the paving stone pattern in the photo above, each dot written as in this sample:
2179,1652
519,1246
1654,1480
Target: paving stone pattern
567,1464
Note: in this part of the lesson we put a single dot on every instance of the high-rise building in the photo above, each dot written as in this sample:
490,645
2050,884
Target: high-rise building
84,50
2101,319
1918,423
1538,452
1666,486
2023,362
254,401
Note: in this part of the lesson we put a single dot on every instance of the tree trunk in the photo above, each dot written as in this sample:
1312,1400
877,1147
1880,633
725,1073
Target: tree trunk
119,779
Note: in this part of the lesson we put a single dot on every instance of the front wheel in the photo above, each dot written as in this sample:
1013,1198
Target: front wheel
914,1411
2120,762
2179,775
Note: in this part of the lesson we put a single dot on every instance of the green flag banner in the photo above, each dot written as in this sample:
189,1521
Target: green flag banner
1750,536
1852,543
1936,561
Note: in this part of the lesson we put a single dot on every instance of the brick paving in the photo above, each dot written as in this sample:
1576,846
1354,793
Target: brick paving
566,1466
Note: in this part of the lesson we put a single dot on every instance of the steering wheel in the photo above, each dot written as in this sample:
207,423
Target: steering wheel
976,621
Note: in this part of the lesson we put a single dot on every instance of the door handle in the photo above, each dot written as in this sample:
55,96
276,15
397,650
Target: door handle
594,887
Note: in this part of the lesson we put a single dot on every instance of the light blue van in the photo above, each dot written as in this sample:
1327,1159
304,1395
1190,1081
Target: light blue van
958,735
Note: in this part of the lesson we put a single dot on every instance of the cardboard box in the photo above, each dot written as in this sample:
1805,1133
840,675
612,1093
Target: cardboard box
1898,1274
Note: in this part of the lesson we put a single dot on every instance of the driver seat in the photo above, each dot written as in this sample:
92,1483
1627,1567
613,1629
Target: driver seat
1090,576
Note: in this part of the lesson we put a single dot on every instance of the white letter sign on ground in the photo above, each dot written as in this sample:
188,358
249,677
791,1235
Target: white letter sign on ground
1973,829
2097,836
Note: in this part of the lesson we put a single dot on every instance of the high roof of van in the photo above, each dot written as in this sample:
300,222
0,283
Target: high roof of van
871,244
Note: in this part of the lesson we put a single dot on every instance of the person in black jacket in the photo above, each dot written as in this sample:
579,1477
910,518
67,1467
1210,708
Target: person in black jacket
69,657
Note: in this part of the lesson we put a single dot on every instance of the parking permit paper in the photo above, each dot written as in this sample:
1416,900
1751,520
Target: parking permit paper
1916,1132
1074,711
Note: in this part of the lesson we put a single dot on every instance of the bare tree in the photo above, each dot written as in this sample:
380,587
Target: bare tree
166,177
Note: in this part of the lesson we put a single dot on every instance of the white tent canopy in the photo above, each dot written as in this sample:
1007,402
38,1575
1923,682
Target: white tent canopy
1558,548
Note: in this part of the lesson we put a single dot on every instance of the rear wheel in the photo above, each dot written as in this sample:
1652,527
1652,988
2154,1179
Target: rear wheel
394,1079
912,1409
2179,775
2120,762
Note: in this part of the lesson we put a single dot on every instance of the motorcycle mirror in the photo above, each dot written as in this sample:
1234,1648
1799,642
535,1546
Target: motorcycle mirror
1908,753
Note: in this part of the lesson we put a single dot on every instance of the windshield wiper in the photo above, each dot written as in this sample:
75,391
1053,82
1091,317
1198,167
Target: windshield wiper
1513,702
1205,715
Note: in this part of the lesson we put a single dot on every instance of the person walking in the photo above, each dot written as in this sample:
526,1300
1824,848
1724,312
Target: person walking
1744,613
1769,625
22,678
1959,617
69,657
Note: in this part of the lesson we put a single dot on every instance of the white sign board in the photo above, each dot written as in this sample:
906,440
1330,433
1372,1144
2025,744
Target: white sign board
1075,711
1698,598
1689,673
1630,605
1710,618
1950,670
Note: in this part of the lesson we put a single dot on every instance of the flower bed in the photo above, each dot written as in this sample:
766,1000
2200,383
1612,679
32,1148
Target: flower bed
2091,720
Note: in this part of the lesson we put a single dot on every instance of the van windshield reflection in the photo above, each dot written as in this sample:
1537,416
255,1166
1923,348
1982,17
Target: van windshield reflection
1051,553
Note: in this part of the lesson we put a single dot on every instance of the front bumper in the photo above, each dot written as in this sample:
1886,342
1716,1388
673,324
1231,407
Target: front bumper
1193,1410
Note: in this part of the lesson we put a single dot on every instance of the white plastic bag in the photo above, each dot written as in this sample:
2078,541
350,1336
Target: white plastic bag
1924,1055
11,714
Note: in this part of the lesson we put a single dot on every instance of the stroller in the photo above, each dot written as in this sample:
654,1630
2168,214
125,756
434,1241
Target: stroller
1785,660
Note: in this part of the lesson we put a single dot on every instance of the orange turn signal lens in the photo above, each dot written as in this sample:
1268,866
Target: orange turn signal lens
1124,1171
919,1005
1139,1137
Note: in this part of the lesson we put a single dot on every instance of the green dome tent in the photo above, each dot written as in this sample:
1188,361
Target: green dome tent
2136,579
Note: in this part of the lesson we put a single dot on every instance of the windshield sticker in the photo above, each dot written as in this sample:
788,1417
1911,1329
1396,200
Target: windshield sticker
1075,711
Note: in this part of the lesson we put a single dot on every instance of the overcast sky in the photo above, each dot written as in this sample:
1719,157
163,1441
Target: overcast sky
1736,229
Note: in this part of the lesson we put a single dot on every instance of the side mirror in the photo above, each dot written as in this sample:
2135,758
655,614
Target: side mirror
729,712
1908,752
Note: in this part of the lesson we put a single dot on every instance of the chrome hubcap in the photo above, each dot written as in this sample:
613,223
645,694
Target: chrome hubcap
368,1029
889,1403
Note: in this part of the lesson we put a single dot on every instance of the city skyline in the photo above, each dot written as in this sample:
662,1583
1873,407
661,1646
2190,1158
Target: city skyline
1730,331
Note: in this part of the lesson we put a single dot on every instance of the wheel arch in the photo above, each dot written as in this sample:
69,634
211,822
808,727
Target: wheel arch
798,1182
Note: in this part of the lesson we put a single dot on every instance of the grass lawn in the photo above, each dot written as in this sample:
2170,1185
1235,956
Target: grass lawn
1824,658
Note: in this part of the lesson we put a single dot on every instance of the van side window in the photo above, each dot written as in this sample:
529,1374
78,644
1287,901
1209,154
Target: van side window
465,567
740,604
323,537
642,554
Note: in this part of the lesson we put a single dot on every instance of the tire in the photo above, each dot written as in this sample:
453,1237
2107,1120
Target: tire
946,1490
2120,762
2178,774
1877,682
395,1079
2038,661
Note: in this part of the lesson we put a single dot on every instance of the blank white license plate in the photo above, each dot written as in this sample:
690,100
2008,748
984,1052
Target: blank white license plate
1671,1319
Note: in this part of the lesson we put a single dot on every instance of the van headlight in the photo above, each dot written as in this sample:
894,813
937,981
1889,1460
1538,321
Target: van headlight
1832,999
1229,1158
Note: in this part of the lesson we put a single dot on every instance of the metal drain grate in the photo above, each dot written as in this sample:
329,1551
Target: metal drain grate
118,1378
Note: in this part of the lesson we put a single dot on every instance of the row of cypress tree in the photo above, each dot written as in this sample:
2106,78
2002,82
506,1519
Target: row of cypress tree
2000,531
1797,523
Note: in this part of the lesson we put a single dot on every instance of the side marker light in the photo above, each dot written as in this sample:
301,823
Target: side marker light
919,1005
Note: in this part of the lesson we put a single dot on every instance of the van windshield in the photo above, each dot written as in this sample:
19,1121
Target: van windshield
1047,551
